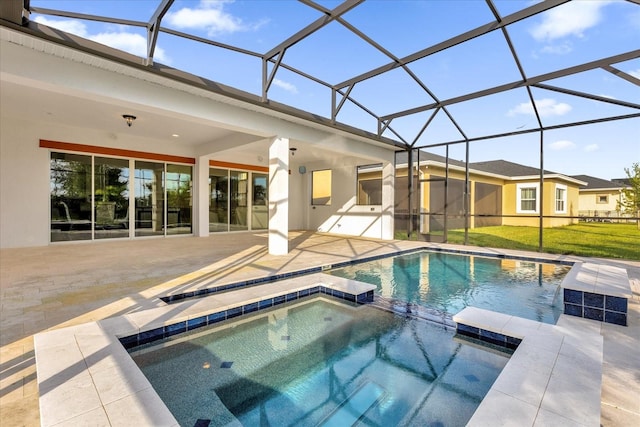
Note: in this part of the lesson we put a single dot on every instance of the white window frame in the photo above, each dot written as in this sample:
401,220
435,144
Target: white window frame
523,186
564,198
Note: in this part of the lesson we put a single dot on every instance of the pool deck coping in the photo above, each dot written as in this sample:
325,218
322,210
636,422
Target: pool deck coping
553,377
87,365
598,279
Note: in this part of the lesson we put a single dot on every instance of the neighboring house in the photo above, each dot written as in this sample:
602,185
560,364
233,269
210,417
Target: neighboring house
500,193
600,198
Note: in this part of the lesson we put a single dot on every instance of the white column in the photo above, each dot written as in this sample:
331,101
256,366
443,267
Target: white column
279,196
388,191
201,197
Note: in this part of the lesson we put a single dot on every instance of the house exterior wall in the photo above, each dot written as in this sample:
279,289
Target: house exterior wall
24,174
488,195
510,202
344,215
24,165
24,186
25,183
591,200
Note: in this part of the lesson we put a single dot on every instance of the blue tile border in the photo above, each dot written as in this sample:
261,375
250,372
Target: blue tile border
618,304
276,277
146,337
488,336
599,307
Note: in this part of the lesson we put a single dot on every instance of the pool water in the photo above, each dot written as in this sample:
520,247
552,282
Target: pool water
321,362
450,282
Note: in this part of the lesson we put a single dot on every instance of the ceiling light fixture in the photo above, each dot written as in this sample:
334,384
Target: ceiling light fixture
129,119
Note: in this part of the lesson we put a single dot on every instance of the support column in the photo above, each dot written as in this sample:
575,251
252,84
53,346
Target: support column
279,196
201,197
472,204
388,193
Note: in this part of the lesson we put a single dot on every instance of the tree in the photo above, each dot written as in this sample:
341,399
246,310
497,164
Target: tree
630,202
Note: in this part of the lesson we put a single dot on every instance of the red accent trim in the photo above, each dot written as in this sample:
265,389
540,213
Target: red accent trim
82,148
216,163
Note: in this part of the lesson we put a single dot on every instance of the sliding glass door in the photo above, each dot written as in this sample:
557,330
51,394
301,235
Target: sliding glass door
70,197
260,208
239,186
218,200
149,191
179,209
238,200
111,197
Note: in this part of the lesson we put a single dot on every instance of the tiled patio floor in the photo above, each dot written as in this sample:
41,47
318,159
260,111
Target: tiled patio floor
61,285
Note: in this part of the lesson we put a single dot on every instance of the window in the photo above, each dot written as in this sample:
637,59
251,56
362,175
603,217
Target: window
561,198
602,199
321,187
527,198
369,180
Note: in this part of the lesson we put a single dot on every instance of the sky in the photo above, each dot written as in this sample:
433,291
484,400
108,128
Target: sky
576,32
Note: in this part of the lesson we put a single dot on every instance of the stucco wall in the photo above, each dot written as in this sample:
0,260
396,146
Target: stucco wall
24,181
344,215
24,173
548,205
24,166
589,200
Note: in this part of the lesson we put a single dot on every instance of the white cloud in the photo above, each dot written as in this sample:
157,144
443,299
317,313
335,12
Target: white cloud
569,19
132,43
635,73
209,15
286,86
563,144
591,147
546,107
68,26
559,49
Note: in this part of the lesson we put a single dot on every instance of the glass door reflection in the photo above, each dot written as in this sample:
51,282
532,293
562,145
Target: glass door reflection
218,200
179,204
149,193
260,209
238,200
70,197
111,197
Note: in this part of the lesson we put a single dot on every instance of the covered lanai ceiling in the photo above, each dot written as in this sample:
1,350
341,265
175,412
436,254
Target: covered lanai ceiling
408,73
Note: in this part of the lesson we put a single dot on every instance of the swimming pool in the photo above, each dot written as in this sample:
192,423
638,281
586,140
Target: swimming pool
448,282
321,362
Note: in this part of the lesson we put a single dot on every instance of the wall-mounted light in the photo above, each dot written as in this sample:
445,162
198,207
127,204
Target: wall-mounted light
129,119
293,150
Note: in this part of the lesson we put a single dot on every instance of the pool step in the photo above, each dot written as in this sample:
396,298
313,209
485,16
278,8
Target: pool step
352,409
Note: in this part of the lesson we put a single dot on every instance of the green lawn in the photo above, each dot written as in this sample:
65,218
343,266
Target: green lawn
592,239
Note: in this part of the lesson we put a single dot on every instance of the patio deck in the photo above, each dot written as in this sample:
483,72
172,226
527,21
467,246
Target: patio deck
51,287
